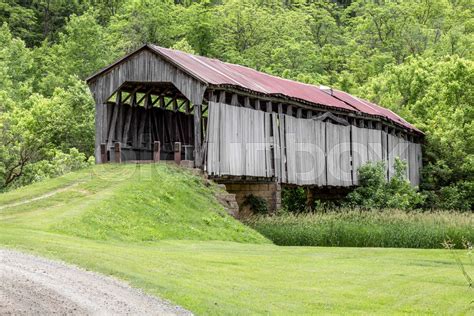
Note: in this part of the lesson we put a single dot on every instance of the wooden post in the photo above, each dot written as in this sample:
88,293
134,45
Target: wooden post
99,130
156,151
113,123
234,100
118,152
269,107
187,108
222,97
299,113
103,153
177,152
197,136
247,102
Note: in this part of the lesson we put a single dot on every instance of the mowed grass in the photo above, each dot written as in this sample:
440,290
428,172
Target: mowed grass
160,229
128,202
350,228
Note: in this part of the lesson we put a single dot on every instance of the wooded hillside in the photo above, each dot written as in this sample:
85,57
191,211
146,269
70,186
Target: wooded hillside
414,57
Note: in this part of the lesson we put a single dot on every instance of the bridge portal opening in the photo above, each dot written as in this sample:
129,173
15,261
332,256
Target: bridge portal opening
148,122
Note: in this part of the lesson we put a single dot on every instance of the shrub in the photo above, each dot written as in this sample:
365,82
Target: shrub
293,199
257,204
353,228
375,192
57,164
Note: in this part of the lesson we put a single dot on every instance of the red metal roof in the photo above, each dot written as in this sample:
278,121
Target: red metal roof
215,72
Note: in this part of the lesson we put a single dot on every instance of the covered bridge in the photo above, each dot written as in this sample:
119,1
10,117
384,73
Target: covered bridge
247,129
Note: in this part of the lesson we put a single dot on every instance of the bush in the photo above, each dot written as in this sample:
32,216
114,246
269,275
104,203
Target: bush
375,192
293,199
57,164
459,196
257,204
352,228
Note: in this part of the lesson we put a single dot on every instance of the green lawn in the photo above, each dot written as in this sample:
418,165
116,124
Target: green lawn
160,229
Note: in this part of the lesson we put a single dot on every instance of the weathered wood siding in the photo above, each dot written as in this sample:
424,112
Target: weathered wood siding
248,142
414,163
367,146
237,141
339,171
144,66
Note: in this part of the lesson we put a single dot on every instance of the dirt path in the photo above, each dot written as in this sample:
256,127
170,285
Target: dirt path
41,197
31,285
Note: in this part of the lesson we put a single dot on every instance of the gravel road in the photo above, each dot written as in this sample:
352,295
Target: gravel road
31,285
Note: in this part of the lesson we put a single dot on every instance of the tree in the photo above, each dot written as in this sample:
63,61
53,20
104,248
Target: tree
437,96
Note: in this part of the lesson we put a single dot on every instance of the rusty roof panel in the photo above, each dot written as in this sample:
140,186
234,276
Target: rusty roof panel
215,72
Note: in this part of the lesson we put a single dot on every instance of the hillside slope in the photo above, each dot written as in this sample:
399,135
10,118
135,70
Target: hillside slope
125,202
120,220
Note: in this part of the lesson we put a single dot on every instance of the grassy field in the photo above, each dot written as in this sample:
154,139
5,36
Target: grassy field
161,229
349,228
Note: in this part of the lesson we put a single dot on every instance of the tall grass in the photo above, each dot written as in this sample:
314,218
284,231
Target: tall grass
350,228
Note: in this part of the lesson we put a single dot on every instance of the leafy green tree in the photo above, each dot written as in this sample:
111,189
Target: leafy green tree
437,96
82,49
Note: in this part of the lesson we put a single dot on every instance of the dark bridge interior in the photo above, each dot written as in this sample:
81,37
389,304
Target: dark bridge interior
141,114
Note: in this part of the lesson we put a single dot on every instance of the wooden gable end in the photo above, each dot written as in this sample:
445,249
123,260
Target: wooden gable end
145,66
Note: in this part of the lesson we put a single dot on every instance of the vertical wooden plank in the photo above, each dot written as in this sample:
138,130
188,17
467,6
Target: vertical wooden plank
290,149
360,149
234,101
134,126
177,152
99,112
320,132
244,136
222,97
299,112
117,153
333,154
268,140
105,123
213,144
283,156
113,122
128,119
234,141
247,102
261,143
345,155
257,104
156,151
403,150
141,126
103,153
394,152
305,159
419,164
224,167
276,147
385,149
374,144
197,136
120,121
